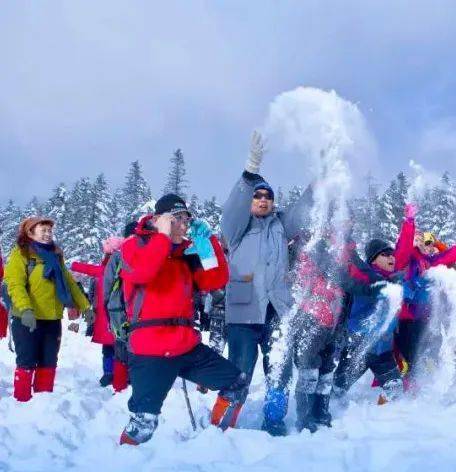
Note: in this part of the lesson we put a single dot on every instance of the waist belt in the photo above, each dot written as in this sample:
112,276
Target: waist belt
161,322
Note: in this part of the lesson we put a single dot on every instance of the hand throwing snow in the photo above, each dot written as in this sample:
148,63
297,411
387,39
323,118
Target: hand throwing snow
257,150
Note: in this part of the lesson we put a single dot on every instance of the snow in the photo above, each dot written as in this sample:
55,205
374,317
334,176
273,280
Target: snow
78,426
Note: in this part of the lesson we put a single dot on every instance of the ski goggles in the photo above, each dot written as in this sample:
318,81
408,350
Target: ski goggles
258,195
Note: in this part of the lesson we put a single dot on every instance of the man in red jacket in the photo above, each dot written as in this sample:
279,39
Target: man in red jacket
159,278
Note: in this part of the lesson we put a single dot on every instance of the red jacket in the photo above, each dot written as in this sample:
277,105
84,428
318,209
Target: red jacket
101,332
168,279
323,298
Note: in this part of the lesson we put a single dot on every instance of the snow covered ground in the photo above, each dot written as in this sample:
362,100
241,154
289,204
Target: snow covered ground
78,427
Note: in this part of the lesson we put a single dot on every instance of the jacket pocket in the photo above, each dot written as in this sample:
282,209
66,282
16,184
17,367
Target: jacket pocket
239,291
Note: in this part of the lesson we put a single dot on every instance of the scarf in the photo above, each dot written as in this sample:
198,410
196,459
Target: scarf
53,271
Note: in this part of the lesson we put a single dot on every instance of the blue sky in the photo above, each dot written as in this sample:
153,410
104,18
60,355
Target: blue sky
89,86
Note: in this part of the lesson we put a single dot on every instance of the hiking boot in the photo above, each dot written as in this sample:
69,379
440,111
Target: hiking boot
321,410
106,380
274,428
139,429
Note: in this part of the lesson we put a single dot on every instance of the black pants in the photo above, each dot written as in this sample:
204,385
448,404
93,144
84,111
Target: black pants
355,361
243,343
152,377
39,348
408,339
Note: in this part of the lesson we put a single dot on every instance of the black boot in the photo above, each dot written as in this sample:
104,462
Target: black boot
106,380
304,410
321,410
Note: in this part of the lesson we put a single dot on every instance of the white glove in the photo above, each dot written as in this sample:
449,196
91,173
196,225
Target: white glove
257,150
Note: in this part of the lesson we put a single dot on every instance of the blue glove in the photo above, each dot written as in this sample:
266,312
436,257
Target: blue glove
199,234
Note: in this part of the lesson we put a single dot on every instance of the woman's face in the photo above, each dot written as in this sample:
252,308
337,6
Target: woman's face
42,234
420,244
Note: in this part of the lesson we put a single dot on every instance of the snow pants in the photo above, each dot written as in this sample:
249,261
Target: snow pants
39,348
243,343
152,377
409,338
355,361
314,352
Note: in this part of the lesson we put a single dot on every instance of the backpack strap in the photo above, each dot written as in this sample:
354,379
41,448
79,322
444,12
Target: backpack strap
161,322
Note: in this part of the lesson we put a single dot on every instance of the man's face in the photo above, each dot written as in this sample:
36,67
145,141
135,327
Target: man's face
385,261
262,203
179,226
42,233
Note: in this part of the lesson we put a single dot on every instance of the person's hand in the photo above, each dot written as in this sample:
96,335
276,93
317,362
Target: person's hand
28,319
257,151
163,223
411,210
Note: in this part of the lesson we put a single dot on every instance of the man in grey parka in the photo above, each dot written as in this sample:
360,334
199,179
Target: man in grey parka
259,289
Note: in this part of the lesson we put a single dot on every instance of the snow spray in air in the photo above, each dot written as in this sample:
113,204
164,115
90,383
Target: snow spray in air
331,135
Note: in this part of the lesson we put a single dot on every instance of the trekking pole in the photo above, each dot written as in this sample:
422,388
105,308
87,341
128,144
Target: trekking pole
189,406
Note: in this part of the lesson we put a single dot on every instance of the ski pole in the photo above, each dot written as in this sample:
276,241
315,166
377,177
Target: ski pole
189,406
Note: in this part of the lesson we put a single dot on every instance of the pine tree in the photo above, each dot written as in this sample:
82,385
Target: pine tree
195,207
176,182
391,209
56,208
100,222
279,199
33,208
134,194
212,213
77,242
293,195
442,219
10,217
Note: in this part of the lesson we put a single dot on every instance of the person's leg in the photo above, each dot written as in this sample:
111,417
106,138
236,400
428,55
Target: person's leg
243,346
278,369
107,352
120,368
151,379
352,365
209,369
309,343
385,369
51,335
26,346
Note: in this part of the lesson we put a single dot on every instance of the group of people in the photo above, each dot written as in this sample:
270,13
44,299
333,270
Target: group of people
265,283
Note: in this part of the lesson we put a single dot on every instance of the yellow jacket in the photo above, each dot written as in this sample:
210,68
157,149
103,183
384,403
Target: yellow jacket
33,291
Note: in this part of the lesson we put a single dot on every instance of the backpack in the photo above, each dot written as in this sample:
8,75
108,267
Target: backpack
115,302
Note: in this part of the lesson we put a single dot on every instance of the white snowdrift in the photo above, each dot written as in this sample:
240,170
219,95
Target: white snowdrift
78,427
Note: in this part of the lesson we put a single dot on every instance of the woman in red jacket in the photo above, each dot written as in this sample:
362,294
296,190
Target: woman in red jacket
159,277
112,372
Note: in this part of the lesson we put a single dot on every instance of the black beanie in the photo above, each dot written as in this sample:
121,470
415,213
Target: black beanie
374,247
170,203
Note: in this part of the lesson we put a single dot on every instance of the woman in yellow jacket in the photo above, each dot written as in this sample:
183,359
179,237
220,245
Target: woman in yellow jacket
40,287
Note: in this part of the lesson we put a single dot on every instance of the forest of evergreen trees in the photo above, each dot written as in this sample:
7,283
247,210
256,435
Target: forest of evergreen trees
90,211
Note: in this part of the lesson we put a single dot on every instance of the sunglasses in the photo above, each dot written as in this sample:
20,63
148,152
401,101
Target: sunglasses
260,195
428,243
183,219
387,253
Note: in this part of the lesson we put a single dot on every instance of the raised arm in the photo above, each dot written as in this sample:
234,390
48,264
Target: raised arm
404,246
92,270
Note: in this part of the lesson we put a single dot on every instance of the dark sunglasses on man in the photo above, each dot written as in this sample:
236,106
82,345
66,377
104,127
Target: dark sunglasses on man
387,253
259,195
